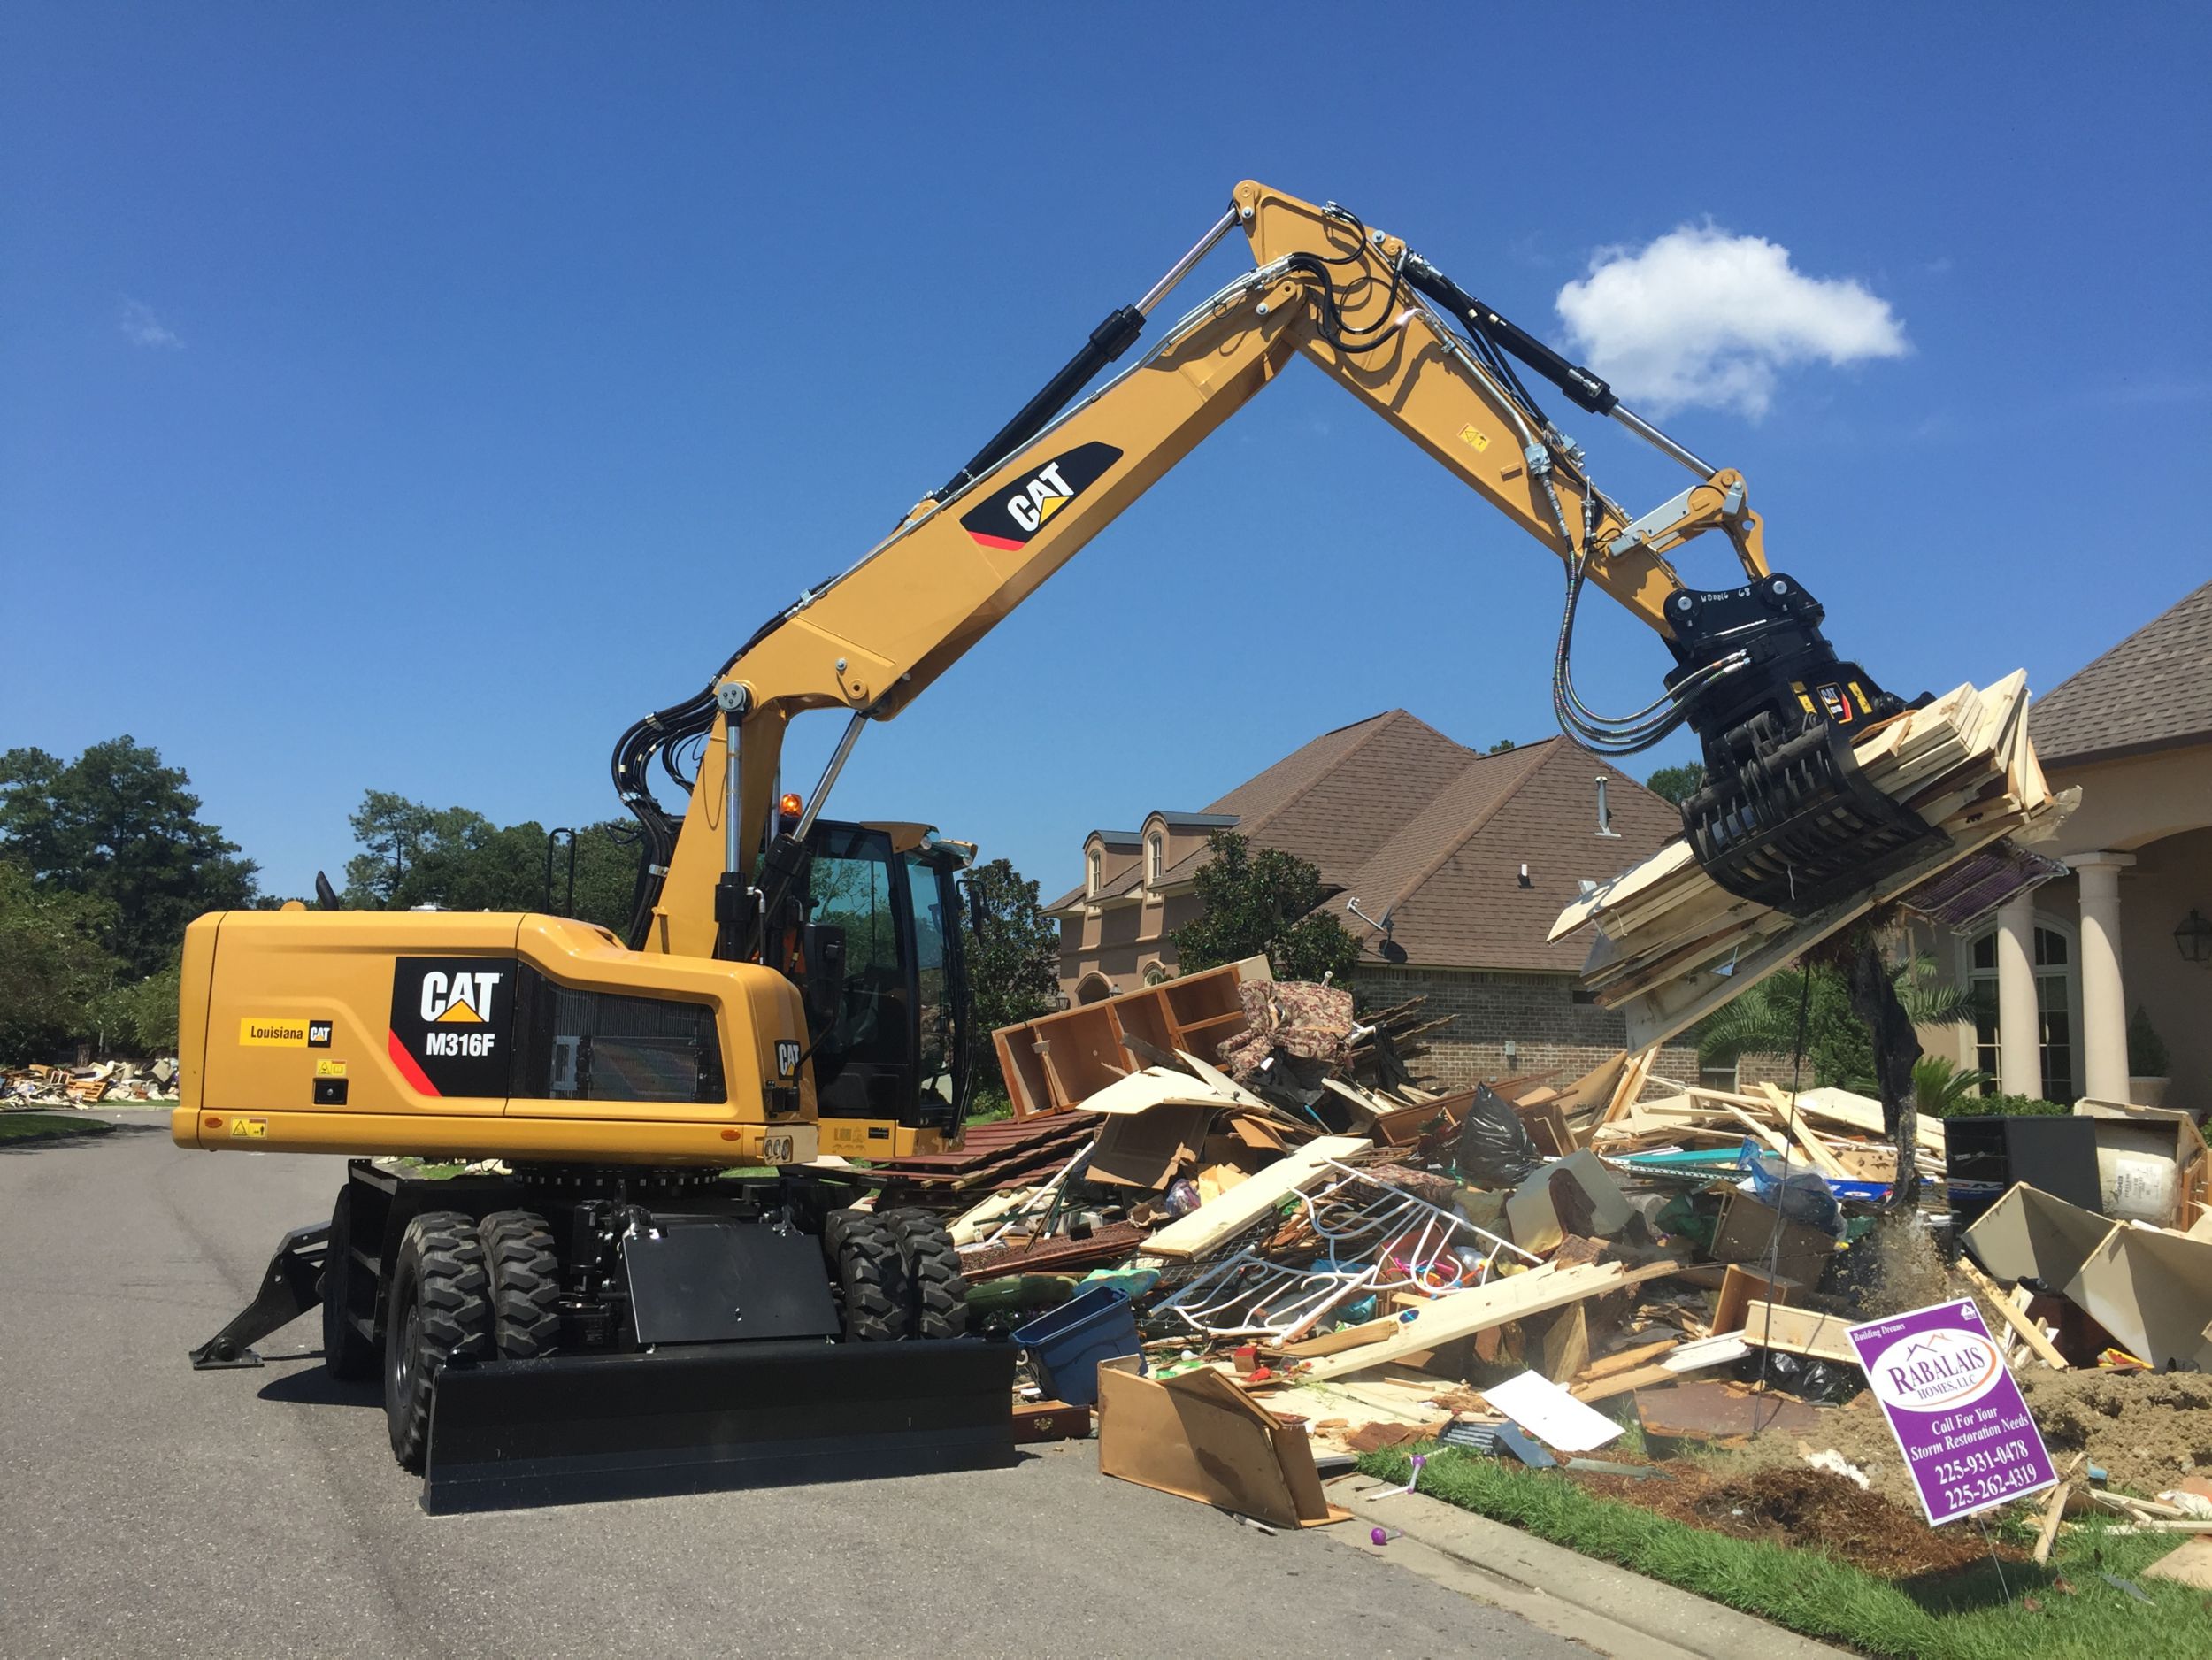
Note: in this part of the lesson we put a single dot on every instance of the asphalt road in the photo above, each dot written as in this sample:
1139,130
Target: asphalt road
147,1510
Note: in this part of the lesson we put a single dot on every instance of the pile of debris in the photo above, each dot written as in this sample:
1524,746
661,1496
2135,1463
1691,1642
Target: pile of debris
1227,1201
111,1082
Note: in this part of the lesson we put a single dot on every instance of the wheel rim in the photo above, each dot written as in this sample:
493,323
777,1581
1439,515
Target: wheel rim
410,1342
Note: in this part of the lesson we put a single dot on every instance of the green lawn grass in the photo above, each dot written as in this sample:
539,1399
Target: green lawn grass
1967,1616
33,1127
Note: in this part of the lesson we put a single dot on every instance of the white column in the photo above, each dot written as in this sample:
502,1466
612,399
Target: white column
2104,1002
2019,1024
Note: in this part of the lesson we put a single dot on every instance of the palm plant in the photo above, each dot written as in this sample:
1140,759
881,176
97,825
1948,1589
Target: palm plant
1941,1087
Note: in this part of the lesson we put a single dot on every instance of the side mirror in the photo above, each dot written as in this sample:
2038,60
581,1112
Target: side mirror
823,946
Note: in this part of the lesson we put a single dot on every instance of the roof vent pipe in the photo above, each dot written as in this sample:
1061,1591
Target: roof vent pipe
1605,813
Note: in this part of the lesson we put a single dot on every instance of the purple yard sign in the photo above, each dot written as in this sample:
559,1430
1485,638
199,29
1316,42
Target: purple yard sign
1953,1406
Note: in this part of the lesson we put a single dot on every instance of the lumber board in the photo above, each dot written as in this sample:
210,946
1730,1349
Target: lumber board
2030,1333
1208,1227
1464,1313
1796,1332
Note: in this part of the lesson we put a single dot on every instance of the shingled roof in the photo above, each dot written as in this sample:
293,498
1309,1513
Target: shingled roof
2151,691
1433,834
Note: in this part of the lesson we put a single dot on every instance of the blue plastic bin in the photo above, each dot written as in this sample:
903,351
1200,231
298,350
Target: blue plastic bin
1068,1343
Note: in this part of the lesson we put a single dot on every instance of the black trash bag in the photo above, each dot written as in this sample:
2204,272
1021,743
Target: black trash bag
1494,1149
1820,1382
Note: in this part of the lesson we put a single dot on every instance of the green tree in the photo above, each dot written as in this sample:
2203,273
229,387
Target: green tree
1677,784
53,967
457,859
117,827
1837,1047
1265,902
1013,966
141,1018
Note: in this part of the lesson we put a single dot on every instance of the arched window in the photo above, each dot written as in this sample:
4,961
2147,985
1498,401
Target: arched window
1094,872
1154,975
1155,858
2055,1005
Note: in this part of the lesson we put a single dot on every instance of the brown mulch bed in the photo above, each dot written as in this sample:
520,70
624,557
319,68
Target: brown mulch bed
1807,1509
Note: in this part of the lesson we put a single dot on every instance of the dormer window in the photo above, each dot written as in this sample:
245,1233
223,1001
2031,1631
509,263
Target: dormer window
1094,872
1155,858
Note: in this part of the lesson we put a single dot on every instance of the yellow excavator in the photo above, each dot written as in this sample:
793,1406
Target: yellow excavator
607,1313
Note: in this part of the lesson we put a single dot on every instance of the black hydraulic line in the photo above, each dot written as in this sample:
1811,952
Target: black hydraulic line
1107,342
1582,387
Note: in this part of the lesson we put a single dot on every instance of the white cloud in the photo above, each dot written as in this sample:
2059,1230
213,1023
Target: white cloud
1700,317
141,327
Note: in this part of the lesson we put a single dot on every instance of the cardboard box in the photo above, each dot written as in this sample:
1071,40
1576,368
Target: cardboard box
1199,1436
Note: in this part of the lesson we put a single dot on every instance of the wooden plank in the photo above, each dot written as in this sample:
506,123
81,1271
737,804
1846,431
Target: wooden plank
1464,1313
2031,1333
1823,1161
1566,1344
2053,1508
1797,1332
1622,1361
1336,1343
1738,1286
1208,1227
1620,1383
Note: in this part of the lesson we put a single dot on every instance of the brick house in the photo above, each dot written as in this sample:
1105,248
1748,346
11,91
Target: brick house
1448,866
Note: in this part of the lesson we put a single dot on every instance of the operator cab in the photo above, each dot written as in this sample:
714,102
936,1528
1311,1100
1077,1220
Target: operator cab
881,955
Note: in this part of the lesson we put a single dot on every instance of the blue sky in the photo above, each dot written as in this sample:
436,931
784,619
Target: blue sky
410,397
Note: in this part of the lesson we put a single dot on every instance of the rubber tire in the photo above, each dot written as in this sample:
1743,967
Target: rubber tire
525,1284
440,1312
346,1353
937,1291
870,1267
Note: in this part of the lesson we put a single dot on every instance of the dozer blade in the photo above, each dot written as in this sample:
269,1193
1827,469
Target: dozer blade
577,1429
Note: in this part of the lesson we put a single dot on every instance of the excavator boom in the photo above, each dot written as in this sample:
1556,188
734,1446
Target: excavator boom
1783,820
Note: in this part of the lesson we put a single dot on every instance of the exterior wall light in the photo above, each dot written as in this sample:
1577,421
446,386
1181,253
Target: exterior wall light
2193,936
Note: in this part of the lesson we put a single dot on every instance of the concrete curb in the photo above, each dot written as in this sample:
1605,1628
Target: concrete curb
1609,1609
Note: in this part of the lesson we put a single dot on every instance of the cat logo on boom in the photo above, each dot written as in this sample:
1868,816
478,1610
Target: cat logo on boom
1014,514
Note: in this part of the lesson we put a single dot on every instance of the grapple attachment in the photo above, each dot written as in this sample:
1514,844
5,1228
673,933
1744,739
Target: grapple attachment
1786,817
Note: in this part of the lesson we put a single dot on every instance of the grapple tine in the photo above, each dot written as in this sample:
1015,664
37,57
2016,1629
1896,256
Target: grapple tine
1786,817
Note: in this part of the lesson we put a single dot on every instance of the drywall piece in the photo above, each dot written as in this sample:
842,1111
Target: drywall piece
1198,1436
1575,1194
1210,1227
1466,1313
2029,1235
1797,1332
1553,1415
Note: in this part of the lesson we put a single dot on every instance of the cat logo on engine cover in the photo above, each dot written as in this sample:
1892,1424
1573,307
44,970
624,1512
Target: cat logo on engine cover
450,1019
